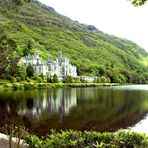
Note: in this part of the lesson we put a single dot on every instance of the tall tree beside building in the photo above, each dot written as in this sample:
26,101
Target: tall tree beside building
22,72
30,71
7,47
55,78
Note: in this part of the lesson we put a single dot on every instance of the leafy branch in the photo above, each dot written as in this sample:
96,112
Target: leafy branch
138,2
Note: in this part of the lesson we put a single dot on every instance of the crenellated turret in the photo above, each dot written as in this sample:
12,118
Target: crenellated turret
59,57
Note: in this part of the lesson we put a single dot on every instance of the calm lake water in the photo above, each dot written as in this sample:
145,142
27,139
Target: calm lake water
100,108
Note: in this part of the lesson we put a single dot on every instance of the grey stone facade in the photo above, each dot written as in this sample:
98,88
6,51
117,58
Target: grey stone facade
61,67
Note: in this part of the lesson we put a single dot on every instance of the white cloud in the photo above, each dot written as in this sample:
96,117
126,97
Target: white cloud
116,17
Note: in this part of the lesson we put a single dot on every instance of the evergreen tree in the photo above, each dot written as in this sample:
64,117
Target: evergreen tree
7,58
22,72
48,77
55,78
42,76
27,48
69,79
30,71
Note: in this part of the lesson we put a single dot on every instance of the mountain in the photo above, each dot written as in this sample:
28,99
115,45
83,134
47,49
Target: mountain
40,28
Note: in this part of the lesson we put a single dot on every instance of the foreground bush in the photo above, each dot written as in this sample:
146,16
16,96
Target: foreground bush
78,139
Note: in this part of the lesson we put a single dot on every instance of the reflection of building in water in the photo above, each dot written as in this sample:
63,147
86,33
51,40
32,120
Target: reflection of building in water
65,99
87,93
58,100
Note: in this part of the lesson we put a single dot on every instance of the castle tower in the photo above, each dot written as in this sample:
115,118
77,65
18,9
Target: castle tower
59,57
36,55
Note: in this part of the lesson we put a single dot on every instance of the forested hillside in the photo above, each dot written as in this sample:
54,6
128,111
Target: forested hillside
36,27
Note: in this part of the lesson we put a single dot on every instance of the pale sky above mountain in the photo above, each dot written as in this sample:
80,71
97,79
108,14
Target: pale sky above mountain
116,17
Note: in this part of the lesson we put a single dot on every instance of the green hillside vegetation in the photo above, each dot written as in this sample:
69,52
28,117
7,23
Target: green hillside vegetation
36,27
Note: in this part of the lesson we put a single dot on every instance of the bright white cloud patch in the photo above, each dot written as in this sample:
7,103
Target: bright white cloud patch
116,17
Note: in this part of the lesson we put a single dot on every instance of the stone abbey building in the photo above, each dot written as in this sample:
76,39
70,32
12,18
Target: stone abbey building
61,66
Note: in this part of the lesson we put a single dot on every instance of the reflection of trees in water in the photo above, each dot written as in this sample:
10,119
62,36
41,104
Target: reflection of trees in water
9,113
29,103
102,109
110,109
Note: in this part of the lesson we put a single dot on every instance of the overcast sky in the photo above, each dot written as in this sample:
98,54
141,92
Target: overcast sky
116,17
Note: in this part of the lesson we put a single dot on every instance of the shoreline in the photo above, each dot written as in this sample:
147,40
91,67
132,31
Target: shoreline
15,142
30,85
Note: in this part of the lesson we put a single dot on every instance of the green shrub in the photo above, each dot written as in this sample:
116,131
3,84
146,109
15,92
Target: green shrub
35,142
17,86
68,79
45,80
7,85
76,80
34,76
42,85
13,80
57,85
78,139
2,83
28,79
8,77
22,72
28,86
18,79
41,75
103,79
39,79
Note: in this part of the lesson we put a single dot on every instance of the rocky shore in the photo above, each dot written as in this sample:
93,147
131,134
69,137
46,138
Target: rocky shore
4,142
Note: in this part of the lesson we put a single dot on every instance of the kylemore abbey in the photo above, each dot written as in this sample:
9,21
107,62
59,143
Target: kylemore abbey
61,67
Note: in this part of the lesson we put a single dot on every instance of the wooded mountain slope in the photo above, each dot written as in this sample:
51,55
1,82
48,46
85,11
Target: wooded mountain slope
36,27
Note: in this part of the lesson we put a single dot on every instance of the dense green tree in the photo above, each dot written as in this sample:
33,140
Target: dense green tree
98,79
94,69
13,80
119,78
109,74
68,79
27,48
103,79
7,58
30,71
41,75
22,72
135,77
83,69
48,77
13,66
143,79
12,3
102,70
55,78
39,79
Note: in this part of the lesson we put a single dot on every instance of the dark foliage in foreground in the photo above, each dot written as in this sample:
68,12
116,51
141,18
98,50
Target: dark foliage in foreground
78,139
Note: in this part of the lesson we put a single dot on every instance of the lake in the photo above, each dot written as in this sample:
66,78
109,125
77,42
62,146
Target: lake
95,108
